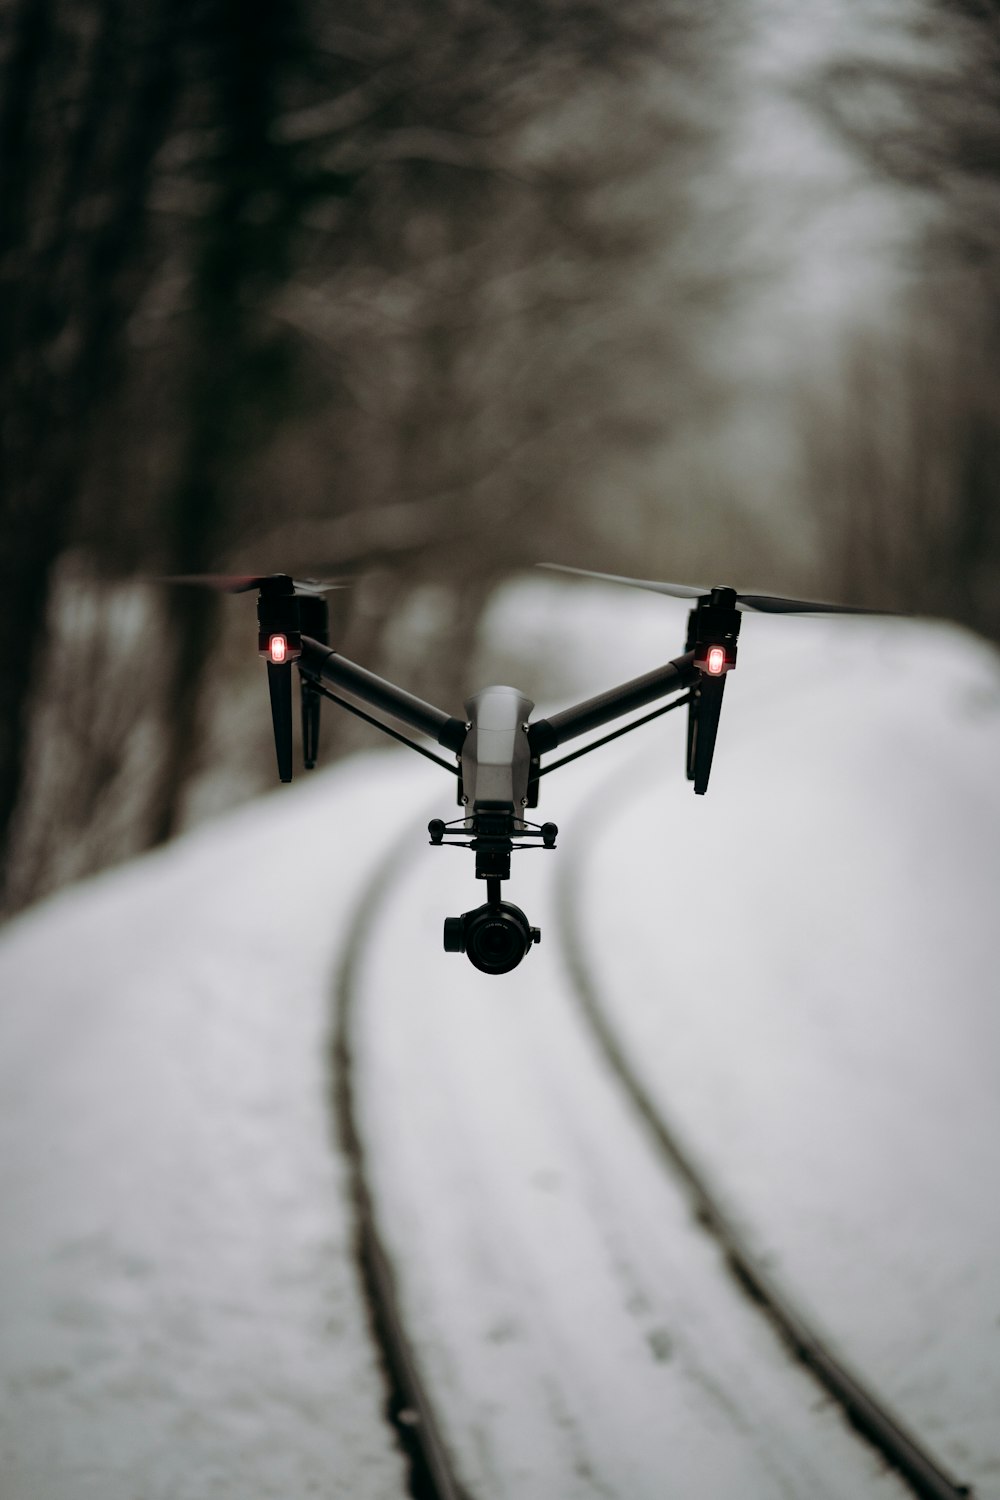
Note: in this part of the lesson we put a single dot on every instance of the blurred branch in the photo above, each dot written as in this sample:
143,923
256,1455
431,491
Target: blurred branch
360,290
915,498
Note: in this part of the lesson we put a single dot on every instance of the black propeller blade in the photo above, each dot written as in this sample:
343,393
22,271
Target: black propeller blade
771,604
678,590
242,583
222,583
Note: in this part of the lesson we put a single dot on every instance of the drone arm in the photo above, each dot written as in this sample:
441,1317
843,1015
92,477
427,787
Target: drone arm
546,734
324,664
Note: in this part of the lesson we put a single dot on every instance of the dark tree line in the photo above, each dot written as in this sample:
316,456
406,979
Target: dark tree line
76,156
292,285
908,460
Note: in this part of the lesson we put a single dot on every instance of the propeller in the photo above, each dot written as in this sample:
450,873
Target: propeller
771,604
287,608
242,583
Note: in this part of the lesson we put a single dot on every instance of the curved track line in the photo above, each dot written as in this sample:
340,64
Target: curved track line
866,1412
408,1405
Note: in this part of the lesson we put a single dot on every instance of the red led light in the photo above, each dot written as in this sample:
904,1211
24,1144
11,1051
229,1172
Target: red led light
278,648
715,662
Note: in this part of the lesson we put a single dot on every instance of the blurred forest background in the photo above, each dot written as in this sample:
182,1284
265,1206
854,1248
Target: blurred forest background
422,294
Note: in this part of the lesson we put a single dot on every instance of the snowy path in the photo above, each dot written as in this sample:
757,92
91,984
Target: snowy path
579,1331
181,1311
831,1045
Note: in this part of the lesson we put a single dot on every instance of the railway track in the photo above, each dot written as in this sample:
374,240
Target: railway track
410,1406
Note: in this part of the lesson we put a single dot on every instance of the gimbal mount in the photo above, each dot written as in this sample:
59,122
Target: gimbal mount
497,935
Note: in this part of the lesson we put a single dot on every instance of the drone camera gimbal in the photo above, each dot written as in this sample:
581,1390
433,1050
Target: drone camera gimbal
495,937
497,748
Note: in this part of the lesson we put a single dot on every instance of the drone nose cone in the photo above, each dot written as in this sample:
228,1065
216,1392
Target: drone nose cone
495,754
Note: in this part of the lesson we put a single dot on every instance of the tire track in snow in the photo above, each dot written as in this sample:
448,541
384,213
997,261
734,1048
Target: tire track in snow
408,1405
864,1409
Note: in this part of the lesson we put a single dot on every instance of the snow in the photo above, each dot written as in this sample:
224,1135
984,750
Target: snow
578,1328
800,965
180,1311
827,1033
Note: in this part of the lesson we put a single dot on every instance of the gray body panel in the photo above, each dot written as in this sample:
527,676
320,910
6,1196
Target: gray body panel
496,757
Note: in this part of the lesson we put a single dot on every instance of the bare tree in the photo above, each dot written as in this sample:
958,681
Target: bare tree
76,159
312,292
907,460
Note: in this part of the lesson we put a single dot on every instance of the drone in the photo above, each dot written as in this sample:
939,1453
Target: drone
497,748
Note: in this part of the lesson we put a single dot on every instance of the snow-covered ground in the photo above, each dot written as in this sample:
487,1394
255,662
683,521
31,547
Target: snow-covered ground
801,963
827,1029
179,1309
580,1333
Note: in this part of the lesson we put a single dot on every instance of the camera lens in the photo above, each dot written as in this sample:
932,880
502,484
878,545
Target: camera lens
497,938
